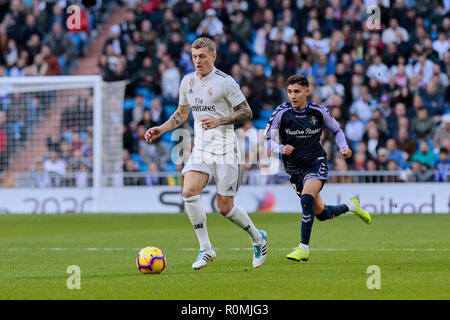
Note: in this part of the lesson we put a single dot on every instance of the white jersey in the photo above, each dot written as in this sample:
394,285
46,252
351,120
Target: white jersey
212,96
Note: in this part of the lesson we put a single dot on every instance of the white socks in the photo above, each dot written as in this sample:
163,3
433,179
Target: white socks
351,206
240,218
197,215
304,246
237,215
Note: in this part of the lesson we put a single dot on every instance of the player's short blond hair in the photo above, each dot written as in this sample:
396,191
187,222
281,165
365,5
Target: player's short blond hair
204,42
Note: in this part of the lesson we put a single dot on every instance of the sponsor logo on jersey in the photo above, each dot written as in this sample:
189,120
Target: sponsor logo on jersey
204,108
302,133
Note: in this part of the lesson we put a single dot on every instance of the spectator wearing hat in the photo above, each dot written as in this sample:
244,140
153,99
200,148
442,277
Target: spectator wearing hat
382,158
442,132
211,25
115,40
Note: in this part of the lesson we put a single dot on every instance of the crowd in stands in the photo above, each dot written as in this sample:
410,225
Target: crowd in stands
35,41
387,87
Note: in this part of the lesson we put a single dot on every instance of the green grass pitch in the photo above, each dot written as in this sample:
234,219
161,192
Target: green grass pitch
412,252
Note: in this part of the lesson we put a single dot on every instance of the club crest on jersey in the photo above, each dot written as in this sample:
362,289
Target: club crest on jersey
210,92
314,120
191,84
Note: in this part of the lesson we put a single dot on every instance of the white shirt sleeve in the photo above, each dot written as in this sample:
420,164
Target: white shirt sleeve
233,92
182,99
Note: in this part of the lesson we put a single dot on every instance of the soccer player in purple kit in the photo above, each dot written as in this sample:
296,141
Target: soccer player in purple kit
294,130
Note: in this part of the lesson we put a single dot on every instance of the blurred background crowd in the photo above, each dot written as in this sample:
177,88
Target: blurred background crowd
387,85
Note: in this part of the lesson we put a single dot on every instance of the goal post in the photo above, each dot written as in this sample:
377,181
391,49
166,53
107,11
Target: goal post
60,138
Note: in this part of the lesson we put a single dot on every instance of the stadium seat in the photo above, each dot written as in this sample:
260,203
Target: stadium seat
170,167
170,109
84,137
62,63
259,60
260,124
77,39
265,114
191,37
128,104
143,166
148,95
166,137
268,70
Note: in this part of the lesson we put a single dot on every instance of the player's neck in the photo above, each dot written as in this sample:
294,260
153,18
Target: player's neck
301,107
207,73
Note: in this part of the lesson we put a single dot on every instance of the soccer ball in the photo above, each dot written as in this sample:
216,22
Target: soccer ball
151,260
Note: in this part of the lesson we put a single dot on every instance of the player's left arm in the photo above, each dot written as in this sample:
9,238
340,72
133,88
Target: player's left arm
240,113
241,110
339,136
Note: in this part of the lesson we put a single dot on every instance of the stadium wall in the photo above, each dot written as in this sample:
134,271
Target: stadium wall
376,198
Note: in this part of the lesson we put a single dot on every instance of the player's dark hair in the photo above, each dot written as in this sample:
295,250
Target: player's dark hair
443,150
297,79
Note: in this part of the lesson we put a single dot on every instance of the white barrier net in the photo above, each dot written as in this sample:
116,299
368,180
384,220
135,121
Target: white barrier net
47,134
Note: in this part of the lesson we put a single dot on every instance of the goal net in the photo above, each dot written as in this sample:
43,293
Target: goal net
57,134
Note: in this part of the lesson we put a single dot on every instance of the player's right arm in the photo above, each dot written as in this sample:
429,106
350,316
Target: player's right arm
176,119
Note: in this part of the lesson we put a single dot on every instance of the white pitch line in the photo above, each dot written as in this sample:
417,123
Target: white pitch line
230,249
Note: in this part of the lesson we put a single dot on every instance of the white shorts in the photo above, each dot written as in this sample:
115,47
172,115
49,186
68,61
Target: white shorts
225,169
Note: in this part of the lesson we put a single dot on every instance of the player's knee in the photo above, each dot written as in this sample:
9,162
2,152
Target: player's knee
321,216
224,208
307,202
189,193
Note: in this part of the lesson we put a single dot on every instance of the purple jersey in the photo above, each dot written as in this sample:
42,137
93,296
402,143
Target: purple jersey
302,130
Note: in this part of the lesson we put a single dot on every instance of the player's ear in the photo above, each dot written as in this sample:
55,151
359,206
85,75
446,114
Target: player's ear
308,91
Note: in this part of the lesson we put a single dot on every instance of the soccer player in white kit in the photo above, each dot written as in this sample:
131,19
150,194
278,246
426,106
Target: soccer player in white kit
217,103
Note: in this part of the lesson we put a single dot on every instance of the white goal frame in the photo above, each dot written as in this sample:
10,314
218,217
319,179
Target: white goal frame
94,82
